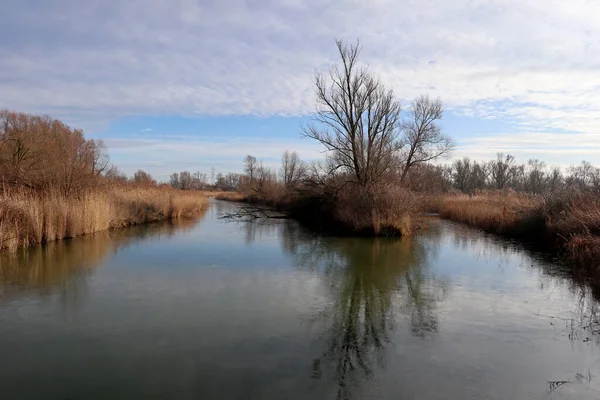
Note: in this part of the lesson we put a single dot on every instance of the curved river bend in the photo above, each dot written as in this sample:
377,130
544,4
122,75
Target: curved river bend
212,309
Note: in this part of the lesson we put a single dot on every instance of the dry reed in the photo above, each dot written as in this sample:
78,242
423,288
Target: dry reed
503,212
227,196
28,218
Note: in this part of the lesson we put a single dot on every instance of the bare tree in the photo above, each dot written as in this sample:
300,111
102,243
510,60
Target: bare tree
265,174
423,138
199,180
114,173
555,179
358,119
174,180
535,178
100,156
501,171
462,174
143,178
250,166
585,177
292,168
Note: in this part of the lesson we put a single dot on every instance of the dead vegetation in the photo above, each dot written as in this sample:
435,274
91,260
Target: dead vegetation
501,212
28,218
569,219
226,196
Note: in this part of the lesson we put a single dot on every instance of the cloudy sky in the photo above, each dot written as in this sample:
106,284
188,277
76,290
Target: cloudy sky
196,84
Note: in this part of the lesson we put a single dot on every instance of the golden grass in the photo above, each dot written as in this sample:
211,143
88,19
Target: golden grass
569,219
28,218
497,212
227,196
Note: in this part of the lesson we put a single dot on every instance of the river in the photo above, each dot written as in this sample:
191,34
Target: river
216,309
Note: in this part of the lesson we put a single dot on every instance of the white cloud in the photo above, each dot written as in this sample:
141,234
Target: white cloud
532,62
560,149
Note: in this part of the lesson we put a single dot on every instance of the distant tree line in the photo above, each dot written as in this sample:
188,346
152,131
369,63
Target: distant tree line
505,172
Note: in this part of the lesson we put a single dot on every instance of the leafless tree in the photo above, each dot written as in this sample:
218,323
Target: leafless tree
265,174
358,119
585,177
144,178
292,168
535,177
479,176
423,138
199,180
174,180
555,179
501,170
114,173
100,156
462,174
250,166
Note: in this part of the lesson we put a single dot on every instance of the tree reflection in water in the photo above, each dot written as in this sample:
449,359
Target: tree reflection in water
374,282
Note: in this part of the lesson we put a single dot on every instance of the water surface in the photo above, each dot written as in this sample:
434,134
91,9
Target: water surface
211,309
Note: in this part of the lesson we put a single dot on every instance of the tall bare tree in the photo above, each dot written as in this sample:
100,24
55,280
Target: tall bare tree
424,141
502,171
358,119
250,166
292,168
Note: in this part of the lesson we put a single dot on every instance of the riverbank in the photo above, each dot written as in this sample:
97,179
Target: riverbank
29,218
568,222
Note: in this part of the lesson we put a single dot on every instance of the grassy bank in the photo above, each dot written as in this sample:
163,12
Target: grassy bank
569,221
29,218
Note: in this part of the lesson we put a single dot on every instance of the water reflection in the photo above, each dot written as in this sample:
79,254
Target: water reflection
381,286
63,267
372,281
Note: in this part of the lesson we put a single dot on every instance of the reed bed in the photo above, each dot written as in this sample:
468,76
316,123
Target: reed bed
507,212
568,219
227,196
29,218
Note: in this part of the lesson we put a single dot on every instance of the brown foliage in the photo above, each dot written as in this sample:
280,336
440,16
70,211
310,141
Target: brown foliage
42,153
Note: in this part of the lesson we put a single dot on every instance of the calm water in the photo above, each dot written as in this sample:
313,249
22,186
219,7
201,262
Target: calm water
265,310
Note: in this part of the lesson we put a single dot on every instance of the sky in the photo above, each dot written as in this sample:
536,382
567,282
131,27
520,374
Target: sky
194,85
